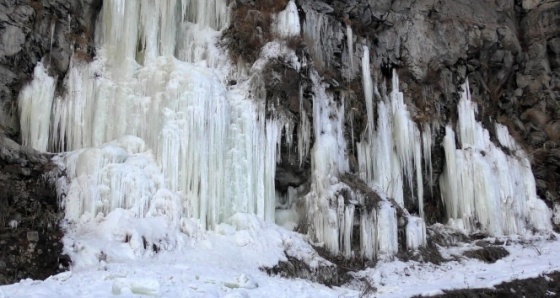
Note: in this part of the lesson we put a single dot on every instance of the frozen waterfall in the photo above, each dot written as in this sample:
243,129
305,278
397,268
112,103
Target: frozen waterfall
153,126
482,187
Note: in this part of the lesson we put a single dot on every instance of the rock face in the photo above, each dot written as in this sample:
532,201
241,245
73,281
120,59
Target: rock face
29,216
31,31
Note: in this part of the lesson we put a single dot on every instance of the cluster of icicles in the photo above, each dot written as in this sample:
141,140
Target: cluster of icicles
150,126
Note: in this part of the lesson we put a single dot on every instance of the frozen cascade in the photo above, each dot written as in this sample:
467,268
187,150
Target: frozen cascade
287,21
427,150
395,150
33,101
331,204
482,187
415,232
328,159
201,142
350,42
317,32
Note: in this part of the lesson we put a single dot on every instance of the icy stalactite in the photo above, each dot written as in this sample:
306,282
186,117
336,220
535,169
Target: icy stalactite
482,187
304,131
395,150
350,44
387,236
415,232
119,174
332,206
34,105
368,234
406,136
505,138
329,151
287,22
349,69
133,32
206,13
118,30
328,160
368,86
427,144
318,32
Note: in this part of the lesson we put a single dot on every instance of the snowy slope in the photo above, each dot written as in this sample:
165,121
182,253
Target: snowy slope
226,264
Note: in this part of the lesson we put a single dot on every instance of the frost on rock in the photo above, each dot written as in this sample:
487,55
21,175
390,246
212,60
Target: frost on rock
484,189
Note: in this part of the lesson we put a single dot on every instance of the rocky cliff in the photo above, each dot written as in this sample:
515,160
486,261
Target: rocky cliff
33,31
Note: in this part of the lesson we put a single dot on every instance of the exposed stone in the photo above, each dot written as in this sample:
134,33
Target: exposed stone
530,4
33,236
488,253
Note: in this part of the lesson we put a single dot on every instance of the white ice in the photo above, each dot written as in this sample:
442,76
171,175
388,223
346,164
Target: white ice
484,189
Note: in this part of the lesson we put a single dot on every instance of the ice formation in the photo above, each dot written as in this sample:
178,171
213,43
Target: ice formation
35,102
153,131
205,139
415,232
392,152
482,187
287,21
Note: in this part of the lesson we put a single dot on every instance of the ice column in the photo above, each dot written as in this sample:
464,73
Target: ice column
287,21
34,103
394,150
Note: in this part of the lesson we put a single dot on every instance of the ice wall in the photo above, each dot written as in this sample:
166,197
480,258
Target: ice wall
160,77
483,188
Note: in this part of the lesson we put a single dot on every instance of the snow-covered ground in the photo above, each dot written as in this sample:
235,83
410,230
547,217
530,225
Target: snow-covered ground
226,263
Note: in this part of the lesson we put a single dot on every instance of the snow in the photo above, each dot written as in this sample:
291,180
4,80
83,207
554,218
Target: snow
114,261
225,263
406,279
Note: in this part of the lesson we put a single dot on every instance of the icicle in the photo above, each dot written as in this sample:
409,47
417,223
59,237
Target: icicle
304,131
415,232
367,85
482,187
368,234
287,21
350,44
505,138
318,34
387,237
34,103
427,153
207,13
394,151
329,152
